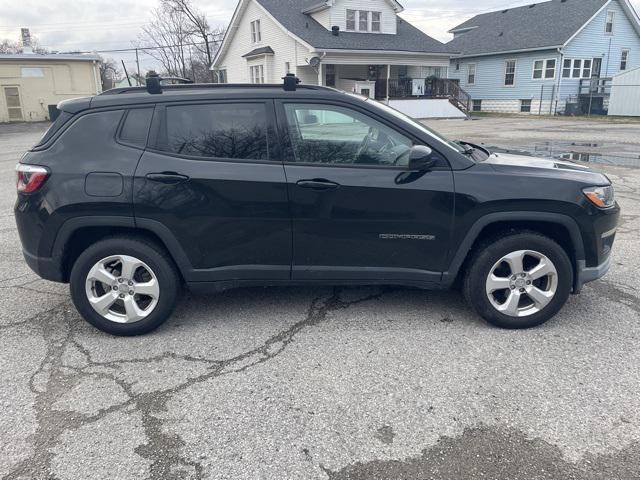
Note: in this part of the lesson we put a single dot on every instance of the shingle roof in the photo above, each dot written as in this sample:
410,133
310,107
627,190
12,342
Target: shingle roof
408,39
548,24
259,51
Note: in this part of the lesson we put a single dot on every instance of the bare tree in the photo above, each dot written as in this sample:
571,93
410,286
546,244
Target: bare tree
8,46
205,41
109,73
181,40
166,39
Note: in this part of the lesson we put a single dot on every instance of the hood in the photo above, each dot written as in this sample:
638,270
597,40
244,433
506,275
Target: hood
534,162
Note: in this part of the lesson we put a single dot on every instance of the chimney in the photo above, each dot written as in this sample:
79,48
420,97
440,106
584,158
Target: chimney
26,41
335,30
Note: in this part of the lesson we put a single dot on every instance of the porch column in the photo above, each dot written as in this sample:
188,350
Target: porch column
320,82
388,78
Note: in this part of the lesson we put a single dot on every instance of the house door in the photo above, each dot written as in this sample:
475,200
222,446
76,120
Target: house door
14,105
597,68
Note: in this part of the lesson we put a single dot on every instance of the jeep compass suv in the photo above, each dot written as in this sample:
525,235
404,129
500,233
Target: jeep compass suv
132,193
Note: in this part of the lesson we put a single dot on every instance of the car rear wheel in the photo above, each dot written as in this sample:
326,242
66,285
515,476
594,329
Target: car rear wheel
519,281
124,286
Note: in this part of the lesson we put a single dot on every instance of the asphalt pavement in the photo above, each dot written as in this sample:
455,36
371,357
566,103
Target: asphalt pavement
322,383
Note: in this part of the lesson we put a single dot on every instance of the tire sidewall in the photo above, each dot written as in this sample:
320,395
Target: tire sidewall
143,251
487,258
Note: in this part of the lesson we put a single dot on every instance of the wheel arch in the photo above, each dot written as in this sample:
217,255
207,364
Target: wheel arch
78,233
561,228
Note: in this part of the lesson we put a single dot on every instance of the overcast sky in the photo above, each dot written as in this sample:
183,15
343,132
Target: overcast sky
114,24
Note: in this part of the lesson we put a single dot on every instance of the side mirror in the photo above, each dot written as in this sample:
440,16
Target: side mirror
421,158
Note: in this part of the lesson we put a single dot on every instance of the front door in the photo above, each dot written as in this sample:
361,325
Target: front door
358,213
213,178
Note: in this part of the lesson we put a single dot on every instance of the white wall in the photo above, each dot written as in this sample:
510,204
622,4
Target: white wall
286,49
625,94
427,108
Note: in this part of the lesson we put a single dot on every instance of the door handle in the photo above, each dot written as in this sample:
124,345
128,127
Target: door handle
168,178
318,184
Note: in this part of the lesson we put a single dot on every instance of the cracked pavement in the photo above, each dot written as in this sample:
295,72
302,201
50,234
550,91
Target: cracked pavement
322,383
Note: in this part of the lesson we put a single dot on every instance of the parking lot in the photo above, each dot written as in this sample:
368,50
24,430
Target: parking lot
366,383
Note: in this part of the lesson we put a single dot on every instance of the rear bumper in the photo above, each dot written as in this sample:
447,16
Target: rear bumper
47,268
586,274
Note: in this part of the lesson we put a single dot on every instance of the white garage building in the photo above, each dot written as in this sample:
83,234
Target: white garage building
625,94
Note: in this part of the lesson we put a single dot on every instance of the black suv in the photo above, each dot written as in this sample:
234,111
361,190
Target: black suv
136,191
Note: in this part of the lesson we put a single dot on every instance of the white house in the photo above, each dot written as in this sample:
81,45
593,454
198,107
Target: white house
354,45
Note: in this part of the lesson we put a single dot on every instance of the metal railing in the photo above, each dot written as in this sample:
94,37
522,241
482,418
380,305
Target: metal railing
402,88
595,86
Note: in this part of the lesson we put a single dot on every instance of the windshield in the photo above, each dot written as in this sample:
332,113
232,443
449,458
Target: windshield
406,118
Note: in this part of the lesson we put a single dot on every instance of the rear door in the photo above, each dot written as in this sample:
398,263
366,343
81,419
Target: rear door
212,178
359,213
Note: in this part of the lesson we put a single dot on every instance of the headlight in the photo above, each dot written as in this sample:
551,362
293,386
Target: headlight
601,197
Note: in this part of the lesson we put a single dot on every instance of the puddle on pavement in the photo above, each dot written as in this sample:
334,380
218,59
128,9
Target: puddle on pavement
575,152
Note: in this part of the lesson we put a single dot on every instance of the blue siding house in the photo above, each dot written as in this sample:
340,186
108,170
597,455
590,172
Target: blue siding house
545,58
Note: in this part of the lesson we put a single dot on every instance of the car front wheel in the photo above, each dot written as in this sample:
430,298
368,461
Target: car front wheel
519,281
124,286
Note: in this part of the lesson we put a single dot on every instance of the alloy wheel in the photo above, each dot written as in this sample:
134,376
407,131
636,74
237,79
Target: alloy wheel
122,289
522,283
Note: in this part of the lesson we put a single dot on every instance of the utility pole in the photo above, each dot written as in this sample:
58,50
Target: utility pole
138,64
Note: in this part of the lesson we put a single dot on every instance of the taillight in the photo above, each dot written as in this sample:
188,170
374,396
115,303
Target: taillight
30,177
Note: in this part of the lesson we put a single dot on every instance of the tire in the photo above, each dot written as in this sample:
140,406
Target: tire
526,300
132,277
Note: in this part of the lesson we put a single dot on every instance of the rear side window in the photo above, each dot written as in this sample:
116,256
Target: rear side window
224,130
135,128
60,122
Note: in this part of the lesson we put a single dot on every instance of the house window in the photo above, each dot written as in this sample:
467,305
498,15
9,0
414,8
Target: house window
477,106
608,28
287,67
624,59
222,76
363,20
376,21
544,69
510,73
525,106
256,34
577,68
257,74
351,20
457,66
471,74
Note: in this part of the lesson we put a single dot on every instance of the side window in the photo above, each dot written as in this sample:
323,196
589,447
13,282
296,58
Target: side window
223,130
135,129
335,135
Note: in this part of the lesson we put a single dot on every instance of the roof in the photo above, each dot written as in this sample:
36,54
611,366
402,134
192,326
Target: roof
259,51
50,56
531,27
290,15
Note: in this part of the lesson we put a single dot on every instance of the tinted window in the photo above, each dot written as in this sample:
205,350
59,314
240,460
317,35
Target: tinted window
136,127
337,135
62,119
237,131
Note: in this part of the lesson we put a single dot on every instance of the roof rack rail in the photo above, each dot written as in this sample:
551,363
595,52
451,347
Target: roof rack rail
214,86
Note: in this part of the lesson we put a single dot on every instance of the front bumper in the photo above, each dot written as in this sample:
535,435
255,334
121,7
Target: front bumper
586,274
